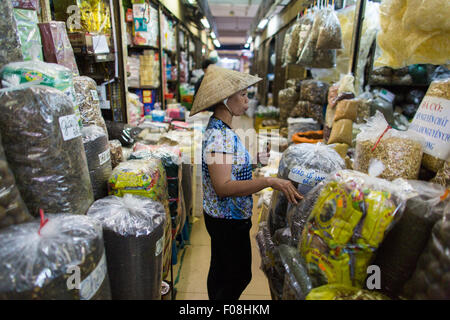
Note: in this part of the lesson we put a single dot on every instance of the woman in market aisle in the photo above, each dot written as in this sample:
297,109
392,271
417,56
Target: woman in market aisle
227,182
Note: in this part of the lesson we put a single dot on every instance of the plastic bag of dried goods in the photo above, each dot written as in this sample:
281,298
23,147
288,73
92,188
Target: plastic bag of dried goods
314,91
398,254
349,221
400,152
41,260
12,207
287,99
341,132
88,102
330,33
431,278
297,283
115,148
338,291
44,148
137,222
347,109
98,157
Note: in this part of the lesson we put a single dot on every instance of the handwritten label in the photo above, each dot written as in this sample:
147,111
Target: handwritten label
432,122
104,157
94,95
70,127
93,282
309,177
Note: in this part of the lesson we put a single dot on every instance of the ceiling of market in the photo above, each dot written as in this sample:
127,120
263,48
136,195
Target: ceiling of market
233,19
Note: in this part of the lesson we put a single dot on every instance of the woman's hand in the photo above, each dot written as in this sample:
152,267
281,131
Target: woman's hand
287,188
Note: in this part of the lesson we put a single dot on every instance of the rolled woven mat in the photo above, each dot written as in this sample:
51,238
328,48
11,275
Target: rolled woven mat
398,255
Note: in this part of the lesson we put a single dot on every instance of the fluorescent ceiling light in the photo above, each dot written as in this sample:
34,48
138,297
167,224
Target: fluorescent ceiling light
205,23
216,43
247,45
213,35
191,1
250,39
262,23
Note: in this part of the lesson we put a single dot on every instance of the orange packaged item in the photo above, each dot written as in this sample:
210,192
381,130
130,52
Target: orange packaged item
308,137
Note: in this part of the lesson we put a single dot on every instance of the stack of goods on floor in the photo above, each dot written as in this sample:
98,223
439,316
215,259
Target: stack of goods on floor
136,223
145,178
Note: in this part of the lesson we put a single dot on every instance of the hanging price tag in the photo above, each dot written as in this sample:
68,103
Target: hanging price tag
70,128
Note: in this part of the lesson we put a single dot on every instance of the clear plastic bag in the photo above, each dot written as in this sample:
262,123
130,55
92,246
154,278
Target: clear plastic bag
443,175
314,91
135,109
341,132
305,29
115,148
43,145
297,283
132,222
398,254
308,164
38,263
399,151
293,43
349,221
9,40
324,59
286,42
431,278
330,34
88,102
28,31
12,207
140,177
287,99
98,157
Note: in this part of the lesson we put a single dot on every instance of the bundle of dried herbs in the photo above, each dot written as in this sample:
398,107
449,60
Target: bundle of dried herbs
41,262
43,145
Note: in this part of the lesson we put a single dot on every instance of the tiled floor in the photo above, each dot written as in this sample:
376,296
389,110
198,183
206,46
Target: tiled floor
194,267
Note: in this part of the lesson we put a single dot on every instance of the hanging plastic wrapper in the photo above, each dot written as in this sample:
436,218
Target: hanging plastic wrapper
98,158
28,31
132,222
292,48
43,145
414,32
297,283
431,278
306,24
338,291
400,152
286,42
12,207
10,47
56,45
38,260
349,221
431,122
95,16
399,253
46,74
88,102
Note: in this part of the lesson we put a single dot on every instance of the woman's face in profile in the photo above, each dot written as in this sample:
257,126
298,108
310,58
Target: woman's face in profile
238,102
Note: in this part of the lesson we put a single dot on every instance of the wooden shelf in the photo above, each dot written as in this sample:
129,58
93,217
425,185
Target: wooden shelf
135,47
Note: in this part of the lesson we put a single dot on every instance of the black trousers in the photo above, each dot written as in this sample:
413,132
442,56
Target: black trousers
231,257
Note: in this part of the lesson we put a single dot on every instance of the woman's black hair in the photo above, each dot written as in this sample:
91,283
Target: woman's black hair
206,63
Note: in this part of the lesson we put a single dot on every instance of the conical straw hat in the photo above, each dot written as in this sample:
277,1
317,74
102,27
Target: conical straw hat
218,84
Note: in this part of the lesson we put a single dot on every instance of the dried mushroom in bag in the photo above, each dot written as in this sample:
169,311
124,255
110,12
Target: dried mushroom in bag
88,102
98,157
12,207
43,145
37,262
